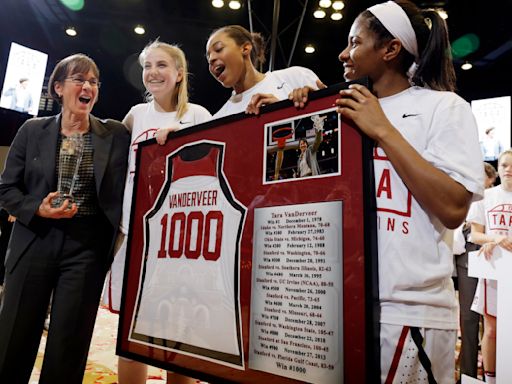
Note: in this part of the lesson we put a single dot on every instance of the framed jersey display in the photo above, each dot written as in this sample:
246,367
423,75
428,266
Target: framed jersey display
252,250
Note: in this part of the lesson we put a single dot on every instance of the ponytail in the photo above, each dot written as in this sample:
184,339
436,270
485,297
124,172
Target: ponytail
434,66
258,50
241,36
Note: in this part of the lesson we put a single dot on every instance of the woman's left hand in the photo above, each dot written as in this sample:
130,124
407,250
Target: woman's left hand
360,105
162,133
259,100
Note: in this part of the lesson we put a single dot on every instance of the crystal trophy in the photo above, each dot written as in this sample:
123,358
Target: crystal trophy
318,122
70,157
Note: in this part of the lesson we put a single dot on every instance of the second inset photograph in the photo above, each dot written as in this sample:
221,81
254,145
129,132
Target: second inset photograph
303,147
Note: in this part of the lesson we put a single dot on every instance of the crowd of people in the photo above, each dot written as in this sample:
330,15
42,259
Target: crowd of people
411,113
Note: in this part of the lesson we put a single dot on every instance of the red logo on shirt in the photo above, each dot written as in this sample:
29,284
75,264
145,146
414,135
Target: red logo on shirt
389,190
500,218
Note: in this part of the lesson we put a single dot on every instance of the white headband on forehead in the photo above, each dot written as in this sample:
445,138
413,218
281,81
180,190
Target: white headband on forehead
396,21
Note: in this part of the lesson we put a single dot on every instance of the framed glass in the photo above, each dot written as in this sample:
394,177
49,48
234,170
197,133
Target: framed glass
238,271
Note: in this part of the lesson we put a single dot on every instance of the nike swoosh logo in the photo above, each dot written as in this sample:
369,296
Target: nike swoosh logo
281,86
184,122
409,115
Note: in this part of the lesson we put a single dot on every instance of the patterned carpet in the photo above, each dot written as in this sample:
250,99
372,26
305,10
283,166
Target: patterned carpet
102,363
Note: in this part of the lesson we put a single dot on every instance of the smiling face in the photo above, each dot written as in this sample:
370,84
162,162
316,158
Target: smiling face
227,60
78,99
361,57
303,145
160,74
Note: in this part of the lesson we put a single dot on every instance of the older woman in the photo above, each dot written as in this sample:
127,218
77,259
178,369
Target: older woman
63,249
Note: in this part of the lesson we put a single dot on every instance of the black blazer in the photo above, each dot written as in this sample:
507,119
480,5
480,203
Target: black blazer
30,174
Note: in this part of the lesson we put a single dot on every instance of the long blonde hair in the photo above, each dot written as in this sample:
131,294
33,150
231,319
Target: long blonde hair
180,94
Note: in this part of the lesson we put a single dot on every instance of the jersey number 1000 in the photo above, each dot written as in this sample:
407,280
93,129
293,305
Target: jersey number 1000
183,231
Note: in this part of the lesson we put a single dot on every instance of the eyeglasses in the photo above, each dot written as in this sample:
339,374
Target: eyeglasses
94,83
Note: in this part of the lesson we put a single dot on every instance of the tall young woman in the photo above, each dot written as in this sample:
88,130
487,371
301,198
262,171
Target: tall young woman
165,77
428,168
490,227
234,56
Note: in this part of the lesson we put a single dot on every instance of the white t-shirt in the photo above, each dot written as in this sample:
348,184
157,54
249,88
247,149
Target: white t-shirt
415,262
146,121
304,169
494,212
279,83
459,242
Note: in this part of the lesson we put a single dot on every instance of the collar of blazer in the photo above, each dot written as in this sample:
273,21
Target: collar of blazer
97,126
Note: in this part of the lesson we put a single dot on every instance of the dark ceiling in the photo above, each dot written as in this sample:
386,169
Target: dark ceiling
105,32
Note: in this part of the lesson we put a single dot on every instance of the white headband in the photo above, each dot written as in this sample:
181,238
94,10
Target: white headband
396,21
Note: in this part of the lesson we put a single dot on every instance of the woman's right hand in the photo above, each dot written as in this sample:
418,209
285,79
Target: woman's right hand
362,107
499,240
504,242
299,96
487,249
63,212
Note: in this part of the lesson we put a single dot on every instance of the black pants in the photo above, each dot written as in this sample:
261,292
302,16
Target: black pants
5,233
71,262
469,323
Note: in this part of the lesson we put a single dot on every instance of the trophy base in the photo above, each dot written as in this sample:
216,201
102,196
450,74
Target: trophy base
59,200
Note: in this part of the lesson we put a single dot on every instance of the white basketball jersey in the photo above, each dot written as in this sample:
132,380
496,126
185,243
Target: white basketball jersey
189,298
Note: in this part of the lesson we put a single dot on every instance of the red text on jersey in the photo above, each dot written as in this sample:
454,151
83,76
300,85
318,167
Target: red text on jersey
191,235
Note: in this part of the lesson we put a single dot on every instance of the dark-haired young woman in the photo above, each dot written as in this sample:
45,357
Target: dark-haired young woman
233,55
428,169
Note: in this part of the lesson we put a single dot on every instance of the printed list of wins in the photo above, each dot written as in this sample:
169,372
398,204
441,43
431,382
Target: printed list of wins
296,302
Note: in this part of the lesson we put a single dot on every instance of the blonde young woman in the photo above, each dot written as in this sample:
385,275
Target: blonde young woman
165,77
490,227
